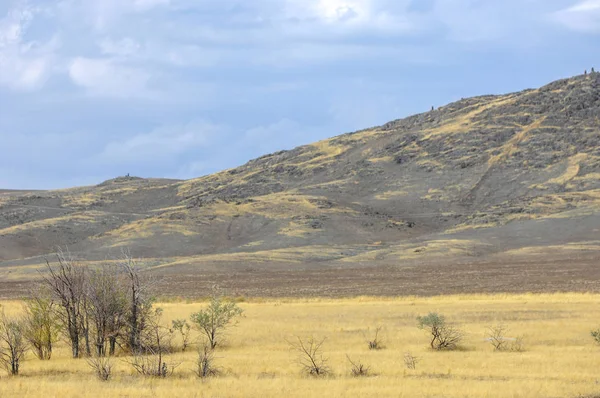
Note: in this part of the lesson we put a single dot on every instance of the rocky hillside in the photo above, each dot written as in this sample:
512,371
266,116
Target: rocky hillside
507,175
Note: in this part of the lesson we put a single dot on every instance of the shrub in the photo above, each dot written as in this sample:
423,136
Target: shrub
13,345
410,361
358,369
442,335
205,364
596,335
375,343
215,319
102,367
310,356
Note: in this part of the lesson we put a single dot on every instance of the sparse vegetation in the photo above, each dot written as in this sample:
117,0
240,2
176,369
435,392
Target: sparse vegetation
205,364
310,356
213,321
102,367
257,361
596,335
13,345
410,361
40,326
183,328
375,343
358,369
443,336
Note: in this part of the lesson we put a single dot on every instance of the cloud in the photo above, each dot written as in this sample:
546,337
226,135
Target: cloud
162,144
583,17
24,64
107,78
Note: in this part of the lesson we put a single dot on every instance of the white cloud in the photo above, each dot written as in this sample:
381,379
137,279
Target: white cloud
24,65
582,17
107,78
162,144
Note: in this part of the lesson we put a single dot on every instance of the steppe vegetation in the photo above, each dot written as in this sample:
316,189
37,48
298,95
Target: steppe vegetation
528,345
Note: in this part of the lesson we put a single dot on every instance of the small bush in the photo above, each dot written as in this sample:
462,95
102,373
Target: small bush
496,335
410,361
102,367
358,369
596,335
205,364
310,356
443,335
181,326
375,343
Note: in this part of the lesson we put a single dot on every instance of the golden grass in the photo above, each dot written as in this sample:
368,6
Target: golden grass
560,359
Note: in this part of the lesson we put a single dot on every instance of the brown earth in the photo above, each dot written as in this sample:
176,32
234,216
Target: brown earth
488,194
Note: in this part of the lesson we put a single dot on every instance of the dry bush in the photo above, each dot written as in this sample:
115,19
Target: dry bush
310,356
443,336
375,343
410,361
496,335
205,364
102,367
13,345
358,369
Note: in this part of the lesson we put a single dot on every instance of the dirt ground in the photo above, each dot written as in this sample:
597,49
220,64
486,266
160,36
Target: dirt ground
547,275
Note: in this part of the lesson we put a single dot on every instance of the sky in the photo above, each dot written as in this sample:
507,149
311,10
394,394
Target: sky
95,89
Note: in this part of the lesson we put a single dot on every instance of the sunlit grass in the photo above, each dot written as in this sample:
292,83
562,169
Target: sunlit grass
560,358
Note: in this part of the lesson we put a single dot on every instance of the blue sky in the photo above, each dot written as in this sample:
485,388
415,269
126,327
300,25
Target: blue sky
93,89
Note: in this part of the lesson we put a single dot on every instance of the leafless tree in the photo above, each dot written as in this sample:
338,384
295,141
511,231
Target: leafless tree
310,356
106,293
139,302
155,343
40,326
13,345
66,281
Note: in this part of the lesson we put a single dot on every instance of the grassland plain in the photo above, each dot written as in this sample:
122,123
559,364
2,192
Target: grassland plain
560,358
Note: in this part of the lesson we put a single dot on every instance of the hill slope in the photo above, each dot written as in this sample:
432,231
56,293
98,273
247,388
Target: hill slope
486,178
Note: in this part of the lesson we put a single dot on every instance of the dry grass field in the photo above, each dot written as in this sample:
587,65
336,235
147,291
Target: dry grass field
559,360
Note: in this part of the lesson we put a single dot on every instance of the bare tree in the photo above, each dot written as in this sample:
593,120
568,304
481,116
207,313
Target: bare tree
310,356
216,318
66,281
106,293
443,336
155,343
139,302
40,327
13,345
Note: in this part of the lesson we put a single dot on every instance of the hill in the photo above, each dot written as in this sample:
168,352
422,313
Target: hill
492,193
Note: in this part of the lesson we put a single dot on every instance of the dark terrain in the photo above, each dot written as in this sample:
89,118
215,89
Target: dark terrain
487,194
